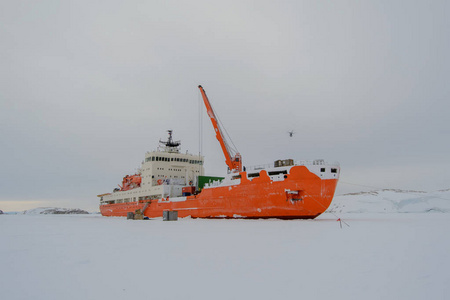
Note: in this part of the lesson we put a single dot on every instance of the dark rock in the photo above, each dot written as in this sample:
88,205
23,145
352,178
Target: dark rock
55,211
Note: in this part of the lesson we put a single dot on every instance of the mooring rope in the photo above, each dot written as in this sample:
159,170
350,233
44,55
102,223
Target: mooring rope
339,219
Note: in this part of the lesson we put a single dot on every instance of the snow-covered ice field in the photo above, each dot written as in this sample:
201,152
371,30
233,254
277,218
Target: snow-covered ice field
380,256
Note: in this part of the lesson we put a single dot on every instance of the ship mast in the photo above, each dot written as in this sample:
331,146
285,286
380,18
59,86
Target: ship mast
171,145
233,161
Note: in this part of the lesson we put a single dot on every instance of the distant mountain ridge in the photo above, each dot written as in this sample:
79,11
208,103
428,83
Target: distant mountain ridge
392,201
54,211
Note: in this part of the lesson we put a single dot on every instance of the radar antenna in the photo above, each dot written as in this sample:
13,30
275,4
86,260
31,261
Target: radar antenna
171,145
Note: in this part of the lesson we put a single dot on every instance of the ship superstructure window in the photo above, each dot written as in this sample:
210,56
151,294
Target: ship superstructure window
333,170
253,175
322,169
177,159
181,159
277,172
196,162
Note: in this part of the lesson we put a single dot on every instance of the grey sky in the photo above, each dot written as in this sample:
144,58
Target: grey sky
86,87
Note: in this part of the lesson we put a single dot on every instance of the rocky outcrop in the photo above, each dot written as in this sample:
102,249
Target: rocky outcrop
55,211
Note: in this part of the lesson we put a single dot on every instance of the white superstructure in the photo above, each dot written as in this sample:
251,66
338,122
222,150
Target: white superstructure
163,173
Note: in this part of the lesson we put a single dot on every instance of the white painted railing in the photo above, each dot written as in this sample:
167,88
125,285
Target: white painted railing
319,162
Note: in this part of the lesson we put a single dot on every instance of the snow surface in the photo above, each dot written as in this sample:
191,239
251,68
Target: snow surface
390,201
380,256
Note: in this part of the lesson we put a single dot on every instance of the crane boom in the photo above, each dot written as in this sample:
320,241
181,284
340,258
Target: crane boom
234,162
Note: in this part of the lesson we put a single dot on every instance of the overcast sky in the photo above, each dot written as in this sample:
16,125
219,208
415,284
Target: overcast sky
87,87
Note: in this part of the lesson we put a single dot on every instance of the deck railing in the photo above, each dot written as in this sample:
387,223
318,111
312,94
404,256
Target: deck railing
320,162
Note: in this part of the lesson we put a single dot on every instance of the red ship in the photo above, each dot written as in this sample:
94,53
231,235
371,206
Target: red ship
171,181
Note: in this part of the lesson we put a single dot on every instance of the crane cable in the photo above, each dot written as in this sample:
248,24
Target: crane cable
200,133
200,124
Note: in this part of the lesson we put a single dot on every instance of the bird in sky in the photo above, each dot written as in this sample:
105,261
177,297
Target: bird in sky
291,133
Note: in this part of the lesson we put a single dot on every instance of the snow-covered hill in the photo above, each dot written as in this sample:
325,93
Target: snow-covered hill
392,201
54,211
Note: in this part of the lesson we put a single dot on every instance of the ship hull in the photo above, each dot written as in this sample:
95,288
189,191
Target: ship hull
300,195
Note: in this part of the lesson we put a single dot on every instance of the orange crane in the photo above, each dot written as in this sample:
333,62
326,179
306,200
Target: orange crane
234,162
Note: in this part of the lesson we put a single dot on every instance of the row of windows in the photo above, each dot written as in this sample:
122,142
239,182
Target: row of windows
126,200
165,176
168,169
159,158
333,170
253,175
197,162
122,200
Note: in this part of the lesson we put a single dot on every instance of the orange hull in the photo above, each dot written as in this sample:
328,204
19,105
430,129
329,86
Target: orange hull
301,195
